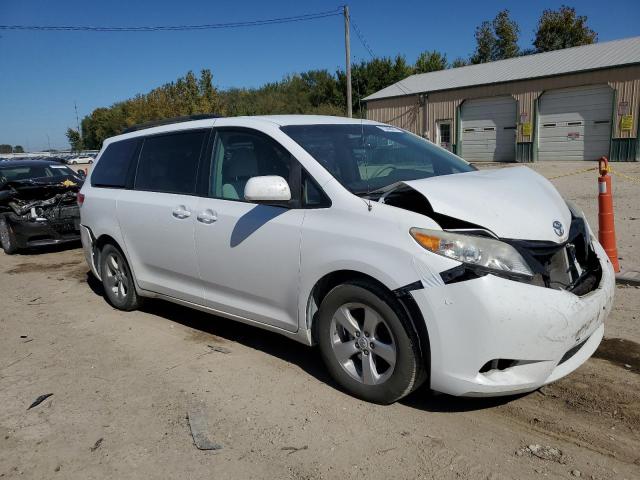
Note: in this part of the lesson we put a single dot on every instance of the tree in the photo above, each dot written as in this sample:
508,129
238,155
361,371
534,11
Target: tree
485,43
430,61
507,32
459,62
75,140
562,29
4,148
496,39
18,149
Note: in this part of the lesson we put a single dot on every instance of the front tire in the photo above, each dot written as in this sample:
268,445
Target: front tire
7,237
368,344
117,280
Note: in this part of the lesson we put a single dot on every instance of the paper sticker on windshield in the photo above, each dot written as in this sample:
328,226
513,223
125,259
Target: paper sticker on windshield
389,129
58,166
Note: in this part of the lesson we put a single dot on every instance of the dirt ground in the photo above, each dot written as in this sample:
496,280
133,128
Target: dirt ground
123,383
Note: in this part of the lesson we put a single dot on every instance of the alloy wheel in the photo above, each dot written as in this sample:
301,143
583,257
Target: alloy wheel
362,343
116,276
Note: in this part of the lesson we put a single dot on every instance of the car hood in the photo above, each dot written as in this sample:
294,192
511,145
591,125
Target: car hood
514,203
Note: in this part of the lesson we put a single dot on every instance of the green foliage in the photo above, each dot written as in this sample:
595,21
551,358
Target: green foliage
459,62
562,28
507,32
4,148
18,149
485,43
74,138
496,39
430,61
188,95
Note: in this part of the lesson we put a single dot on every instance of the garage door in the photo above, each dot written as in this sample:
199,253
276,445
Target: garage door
489,129
575,123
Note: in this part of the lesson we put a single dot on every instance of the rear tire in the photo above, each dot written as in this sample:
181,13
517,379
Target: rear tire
368,343
117,280
7,237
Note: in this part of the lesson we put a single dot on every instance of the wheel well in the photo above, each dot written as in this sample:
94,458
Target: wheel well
331,280
99,245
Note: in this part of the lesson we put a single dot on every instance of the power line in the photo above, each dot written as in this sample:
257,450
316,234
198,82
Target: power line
173,28
363,41
365,44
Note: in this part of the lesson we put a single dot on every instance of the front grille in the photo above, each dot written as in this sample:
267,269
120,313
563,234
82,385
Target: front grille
572,265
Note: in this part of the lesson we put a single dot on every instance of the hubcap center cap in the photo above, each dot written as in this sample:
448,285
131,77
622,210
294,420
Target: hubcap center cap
362,343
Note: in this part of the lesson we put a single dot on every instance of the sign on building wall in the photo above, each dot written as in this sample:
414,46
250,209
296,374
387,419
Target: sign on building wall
526,129
626,123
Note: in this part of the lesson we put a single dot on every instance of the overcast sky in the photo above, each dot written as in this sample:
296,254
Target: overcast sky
42,74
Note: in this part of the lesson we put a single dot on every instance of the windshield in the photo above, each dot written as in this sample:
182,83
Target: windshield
365,158
28,172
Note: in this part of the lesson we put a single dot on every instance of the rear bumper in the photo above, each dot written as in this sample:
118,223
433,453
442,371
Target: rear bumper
545,333
88,246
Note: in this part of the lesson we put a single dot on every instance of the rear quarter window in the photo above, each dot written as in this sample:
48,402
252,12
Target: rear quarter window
113,167
169,163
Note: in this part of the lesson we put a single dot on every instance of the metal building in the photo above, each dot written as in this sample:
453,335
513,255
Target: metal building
574,104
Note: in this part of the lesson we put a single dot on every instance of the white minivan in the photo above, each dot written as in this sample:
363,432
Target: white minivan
403,262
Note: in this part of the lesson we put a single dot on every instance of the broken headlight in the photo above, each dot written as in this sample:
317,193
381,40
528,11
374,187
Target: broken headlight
480,253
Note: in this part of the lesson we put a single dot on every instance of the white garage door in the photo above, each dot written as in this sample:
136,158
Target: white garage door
575,123
489,129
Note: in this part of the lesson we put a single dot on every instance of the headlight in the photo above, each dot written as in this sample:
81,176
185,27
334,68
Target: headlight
478,252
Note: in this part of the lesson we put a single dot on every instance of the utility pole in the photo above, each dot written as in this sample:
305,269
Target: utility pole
347,46
75,106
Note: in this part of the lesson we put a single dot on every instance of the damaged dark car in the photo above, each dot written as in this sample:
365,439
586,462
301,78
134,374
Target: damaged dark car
38,204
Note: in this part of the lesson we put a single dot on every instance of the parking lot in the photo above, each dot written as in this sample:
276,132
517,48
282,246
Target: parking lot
123,383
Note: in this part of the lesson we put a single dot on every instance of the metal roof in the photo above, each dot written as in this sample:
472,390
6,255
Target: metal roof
568,60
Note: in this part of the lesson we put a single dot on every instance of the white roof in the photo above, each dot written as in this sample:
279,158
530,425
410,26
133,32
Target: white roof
244,121
568,60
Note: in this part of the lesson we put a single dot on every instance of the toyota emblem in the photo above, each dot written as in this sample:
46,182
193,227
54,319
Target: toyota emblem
558,228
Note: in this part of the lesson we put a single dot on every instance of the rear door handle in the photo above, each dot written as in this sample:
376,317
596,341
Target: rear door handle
208,216
181,212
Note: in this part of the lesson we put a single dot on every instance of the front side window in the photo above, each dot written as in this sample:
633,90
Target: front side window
365,158
169,163
239,155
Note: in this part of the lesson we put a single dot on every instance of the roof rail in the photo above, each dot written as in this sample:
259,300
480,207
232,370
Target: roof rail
169,121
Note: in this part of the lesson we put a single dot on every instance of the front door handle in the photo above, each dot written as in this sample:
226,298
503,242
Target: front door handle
181,212
208,216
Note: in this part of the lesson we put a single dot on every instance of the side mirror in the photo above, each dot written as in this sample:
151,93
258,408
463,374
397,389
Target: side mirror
267,189
81,174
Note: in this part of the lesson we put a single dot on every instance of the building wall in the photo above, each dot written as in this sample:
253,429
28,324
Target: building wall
404,112
444,105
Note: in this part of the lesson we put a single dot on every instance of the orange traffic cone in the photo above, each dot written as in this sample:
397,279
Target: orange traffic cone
606,224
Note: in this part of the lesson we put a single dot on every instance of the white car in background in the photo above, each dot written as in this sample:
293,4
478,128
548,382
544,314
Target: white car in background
80,160
399,259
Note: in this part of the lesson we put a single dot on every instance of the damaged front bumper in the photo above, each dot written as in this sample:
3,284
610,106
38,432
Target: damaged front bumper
494,336
31,232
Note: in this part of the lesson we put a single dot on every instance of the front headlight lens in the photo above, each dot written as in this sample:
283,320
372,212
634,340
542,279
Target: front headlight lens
479,252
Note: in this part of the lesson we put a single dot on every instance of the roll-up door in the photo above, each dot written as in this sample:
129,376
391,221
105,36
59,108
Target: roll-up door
575,123
489,129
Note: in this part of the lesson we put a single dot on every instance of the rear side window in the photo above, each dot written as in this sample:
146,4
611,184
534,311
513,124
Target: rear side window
113,167
169,163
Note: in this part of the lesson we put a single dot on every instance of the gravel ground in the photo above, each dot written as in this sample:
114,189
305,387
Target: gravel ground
123,383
